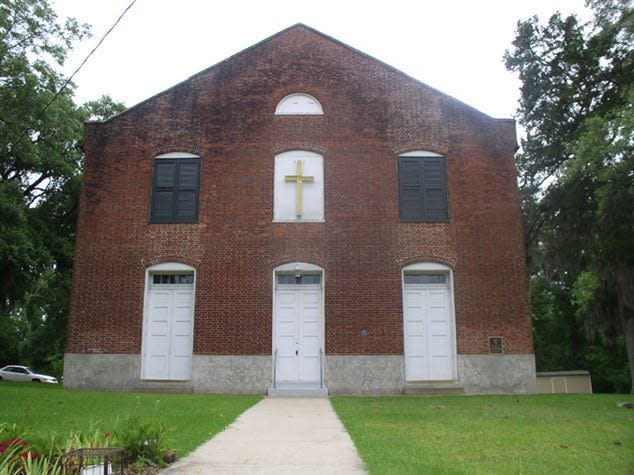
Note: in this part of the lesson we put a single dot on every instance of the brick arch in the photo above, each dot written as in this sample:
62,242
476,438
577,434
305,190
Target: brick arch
165,258
299,146
427,258
279,261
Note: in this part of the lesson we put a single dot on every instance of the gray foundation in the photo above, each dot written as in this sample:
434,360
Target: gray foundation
349,374
355,374
497,374
99,371
231,374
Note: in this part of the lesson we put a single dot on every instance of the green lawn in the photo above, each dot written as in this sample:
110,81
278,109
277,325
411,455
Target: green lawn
43,409
491,434
395,435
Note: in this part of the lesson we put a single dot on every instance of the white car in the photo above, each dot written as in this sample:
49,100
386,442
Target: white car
22,373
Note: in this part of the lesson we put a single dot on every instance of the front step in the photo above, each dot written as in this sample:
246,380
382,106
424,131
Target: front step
158,386
297,390
432,389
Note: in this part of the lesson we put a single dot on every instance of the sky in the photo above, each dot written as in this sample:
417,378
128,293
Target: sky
456,46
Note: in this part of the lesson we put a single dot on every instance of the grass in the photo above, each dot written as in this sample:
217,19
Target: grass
43,409
491,434
395,435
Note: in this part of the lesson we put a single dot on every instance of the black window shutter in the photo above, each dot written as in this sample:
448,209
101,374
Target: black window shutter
434,190
175,190
187,196
422,189
409,188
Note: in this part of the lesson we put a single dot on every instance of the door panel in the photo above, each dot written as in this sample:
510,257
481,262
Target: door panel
428,338
169,336
299,328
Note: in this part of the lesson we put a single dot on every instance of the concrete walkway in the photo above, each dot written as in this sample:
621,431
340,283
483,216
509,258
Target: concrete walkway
278,435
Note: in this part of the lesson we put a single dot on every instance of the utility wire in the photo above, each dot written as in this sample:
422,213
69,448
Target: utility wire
67,82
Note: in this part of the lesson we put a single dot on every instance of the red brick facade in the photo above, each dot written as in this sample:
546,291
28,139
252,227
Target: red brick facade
225,115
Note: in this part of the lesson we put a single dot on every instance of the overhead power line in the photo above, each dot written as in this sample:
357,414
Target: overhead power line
70,78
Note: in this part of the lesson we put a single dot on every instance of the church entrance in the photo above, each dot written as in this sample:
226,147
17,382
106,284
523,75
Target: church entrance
428,326
168,328
298,327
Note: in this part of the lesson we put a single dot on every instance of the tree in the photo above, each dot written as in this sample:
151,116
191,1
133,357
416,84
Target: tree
39,127
576,167
40,175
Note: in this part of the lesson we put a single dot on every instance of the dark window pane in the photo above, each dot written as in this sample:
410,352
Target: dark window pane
425,278
181,279
285,279
303,279
311,279
185,279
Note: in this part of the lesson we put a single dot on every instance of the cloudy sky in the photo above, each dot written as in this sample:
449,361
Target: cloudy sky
455,46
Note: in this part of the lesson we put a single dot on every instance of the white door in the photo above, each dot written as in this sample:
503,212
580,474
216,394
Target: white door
298,333
169,332
428,333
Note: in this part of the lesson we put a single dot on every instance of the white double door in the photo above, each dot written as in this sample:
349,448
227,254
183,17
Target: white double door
428,333
168,338
298,334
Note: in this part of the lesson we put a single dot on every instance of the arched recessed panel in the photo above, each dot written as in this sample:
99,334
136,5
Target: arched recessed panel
299,104
299,187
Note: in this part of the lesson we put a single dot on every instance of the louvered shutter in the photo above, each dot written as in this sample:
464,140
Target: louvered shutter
409,178
433,188
163,191
175,190
187,196
422,189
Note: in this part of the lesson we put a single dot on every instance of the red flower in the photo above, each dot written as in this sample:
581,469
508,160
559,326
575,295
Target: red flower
5,444
34,455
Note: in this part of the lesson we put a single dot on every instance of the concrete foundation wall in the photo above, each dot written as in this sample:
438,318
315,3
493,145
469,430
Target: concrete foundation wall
350,374
497,374
99,371
231,374
356,374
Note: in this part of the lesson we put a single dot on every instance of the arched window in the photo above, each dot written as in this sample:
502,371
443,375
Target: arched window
299,104
422,187
175,186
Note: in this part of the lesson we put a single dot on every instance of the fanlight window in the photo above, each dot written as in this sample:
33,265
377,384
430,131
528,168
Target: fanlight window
173,279
425,278
299,104
298,279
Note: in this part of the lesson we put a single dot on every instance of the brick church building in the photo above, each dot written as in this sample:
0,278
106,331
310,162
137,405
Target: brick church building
300,218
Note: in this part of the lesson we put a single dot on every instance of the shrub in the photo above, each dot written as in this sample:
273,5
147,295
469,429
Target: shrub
143,441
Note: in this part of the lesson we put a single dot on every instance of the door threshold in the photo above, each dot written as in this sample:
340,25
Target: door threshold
297,390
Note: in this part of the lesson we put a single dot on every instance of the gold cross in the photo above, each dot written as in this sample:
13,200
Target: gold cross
299,179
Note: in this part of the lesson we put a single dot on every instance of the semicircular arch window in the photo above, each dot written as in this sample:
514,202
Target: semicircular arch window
299,104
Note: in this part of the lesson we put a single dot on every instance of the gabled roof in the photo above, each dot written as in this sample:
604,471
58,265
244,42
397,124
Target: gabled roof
322,35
